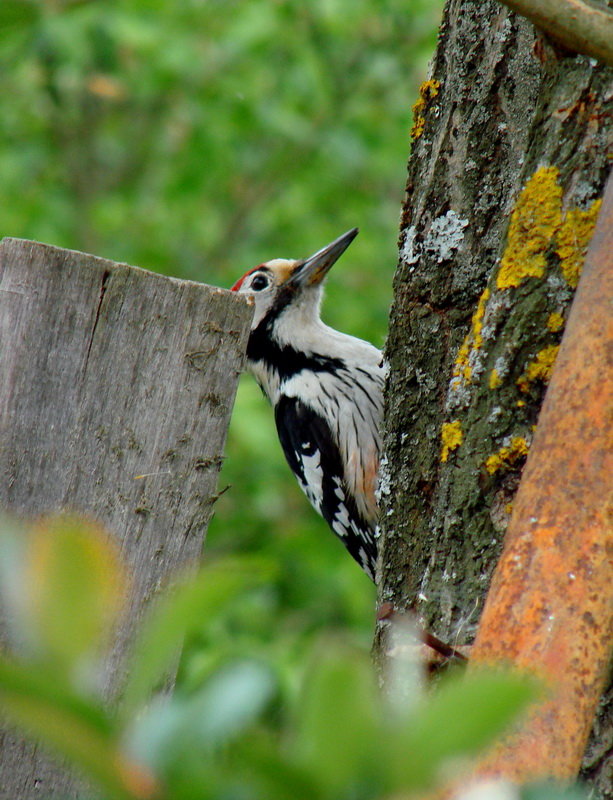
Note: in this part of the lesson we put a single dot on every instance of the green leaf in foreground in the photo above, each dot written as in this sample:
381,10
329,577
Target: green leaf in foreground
175,730
338,722
63,585
459,720
65,722
179,612
551,791
74,585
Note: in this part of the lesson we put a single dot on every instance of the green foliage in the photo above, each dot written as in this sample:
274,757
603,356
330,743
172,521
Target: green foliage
180,613
46,706
198,139
70,587
243,731
548,791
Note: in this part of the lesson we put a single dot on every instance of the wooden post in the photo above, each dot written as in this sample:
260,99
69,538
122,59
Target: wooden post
116,387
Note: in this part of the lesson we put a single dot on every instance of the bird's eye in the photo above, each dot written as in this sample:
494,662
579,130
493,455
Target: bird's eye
259,282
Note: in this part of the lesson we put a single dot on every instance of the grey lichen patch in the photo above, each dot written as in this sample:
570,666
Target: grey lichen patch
504,31
501,366
560,292
442,240
458,395
409,252
494,415
445,236
384,486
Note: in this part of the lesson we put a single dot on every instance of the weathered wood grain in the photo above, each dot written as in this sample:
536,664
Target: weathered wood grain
116,387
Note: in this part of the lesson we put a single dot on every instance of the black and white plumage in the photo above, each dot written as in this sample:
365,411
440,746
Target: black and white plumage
326,389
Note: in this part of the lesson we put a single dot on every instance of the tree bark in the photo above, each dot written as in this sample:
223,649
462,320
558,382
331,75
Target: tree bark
575,24
116,387
549,608
505,179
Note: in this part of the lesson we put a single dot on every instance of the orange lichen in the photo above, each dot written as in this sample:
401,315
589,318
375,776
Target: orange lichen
534,221
539,369
573,239
427,91
508,455
451,438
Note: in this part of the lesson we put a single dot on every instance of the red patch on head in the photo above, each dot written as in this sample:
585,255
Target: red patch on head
239,282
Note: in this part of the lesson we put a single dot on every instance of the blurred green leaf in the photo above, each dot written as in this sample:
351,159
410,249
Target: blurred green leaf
245,731
182,609
76,585
553,791
462,717
15,13
73,727
66,588
337,725
265,764
226,705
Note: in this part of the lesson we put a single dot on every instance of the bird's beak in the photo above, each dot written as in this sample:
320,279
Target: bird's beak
314,269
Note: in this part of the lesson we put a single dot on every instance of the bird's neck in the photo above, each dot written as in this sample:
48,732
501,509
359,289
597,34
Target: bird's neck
280,348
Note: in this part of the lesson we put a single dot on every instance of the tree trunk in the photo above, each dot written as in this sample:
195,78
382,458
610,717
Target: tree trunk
508,167
116,387
549,607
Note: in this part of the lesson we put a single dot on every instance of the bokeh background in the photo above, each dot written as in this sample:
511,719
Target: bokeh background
198,138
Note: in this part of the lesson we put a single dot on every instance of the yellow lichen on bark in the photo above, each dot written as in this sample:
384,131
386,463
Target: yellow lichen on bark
555,322
461,368
451,438
573,239
473,341
477,320
534,221
508,455
427,91
495,379
540,369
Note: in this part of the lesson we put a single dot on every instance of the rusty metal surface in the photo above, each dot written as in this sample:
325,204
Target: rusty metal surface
550,605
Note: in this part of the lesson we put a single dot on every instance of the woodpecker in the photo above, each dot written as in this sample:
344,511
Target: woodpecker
326,389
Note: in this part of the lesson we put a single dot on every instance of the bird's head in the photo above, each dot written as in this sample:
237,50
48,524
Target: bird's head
281,284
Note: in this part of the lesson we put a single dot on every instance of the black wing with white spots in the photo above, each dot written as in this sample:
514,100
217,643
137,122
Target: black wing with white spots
314,457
